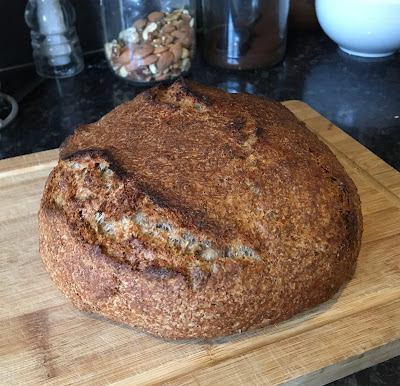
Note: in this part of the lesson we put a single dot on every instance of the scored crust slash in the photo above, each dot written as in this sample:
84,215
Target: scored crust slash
190,212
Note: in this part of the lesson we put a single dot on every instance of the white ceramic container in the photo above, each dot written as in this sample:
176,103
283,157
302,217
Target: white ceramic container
368,28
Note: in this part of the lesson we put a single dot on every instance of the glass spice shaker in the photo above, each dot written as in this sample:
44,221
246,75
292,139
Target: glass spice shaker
149,41
245,34
56,49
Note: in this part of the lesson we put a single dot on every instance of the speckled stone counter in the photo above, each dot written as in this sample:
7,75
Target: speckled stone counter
361,96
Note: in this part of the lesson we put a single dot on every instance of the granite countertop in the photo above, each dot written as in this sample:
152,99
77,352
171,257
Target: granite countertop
361,96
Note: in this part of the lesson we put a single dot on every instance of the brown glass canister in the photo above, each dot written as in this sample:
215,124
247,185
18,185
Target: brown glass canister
244,34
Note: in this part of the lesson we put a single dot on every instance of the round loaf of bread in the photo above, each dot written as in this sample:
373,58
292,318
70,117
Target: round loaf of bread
190,212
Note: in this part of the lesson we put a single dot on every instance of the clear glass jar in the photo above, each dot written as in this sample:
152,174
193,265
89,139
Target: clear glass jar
56,49
149,41
245,34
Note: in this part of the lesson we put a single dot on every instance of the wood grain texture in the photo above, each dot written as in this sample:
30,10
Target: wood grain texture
45,340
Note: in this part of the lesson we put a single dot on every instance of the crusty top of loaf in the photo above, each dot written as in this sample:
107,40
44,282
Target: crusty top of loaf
227,169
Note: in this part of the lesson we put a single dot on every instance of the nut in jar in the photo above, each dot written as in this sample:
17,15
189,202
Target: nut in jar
157,47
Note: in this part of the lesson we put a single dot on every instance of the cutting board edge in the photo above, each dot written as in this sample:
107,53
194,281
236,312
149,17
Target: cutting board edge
28,163
349,366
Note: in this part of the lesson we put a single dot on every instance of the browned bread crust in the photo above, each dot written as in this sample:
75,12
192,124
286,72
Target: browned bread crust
190,212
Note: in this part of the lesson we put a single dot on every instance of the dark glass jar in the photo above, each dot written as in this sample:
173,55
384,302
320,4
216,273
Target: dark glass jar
245,34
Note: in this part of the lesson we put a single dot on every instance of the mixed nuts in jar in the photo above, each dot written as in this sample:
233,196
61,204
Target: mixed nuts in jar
156,47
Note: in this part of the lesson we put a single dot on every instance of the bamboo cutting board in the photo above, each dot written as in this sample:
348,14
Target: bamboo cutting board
44,339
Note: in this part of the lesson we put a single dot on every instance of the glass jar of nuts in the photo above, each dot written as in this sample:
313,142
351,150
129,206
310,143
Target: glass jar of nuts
149,41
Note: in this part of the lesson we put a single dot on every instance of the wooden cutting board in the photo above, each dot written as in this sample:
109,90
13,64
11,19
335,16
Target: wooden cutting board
44,339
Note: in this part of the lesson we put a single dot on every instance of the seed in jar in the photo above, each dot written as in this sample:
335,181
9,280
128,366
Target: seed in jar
132,66
183,25
183,37
185,64
177,64
168,28
129,35
155,16
139,24
175,72
123,72
176,50
167,39
142,52
185,53
178,12
177,34
125,57
165,60
153,68
154,35
170,17
133,76
149,60
160,49
150,28
114,54
157,42
124,49
186,17
144,73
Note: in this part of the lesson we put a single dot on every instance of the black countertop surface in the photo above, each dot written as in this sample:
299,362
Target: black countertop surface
361,96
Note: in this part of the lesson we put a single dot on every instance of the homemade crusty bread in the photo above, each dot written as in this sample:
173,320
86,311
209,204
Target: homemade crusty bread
190,212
